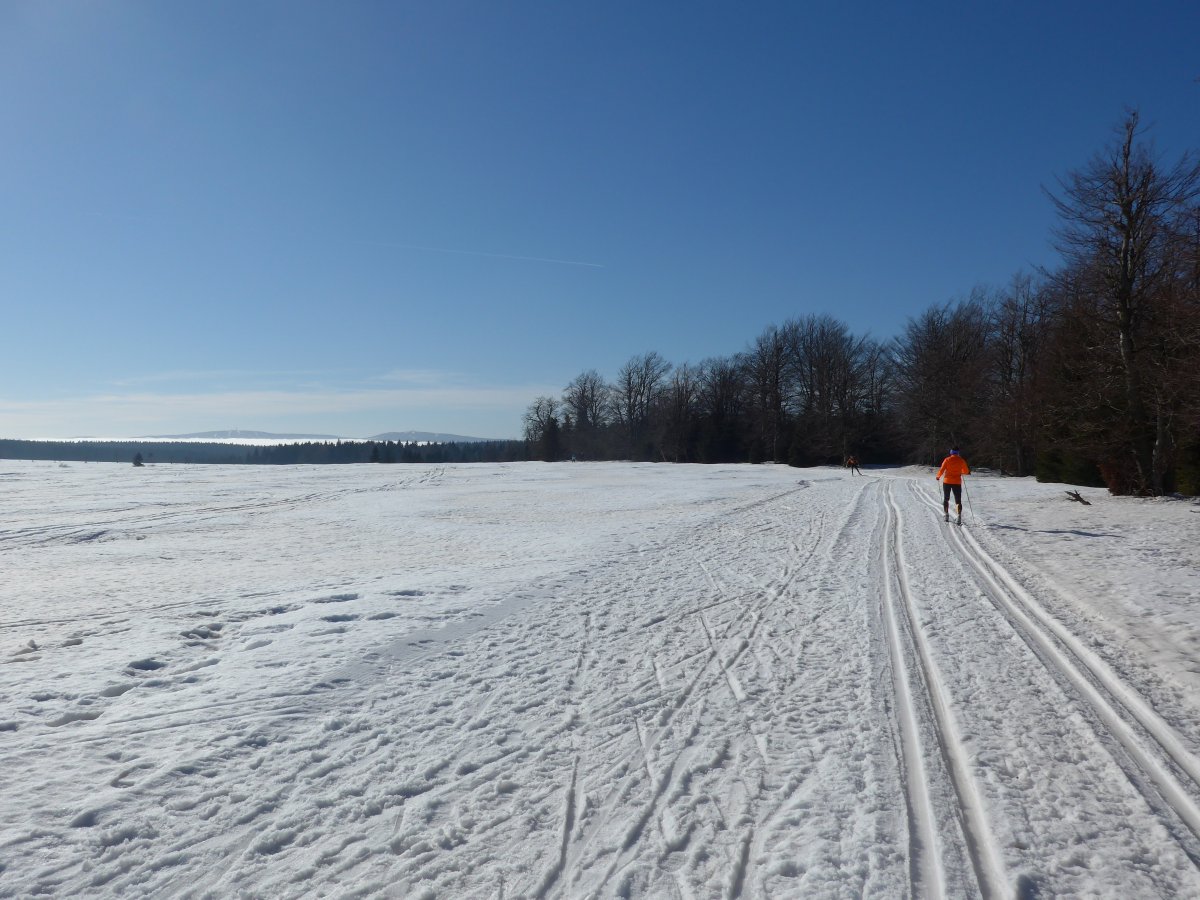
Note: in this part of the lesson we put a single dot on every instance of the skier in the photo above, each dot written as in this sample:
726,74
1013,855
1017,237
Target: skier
852,465
954,467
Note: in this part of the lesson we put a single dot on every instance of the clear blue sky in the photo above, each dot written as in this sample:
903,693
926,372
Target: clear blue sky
357,217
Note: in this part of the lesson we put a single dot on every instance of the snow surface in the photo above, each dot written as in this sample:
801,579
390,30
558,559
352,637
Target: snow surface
592,680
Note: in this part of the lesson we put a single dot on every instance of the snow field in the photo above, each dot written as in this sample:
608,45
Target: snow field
591,680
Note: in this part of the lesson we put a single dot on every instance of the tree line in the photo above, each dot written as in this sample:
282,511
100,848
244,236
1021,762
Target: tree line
306,453
1087,374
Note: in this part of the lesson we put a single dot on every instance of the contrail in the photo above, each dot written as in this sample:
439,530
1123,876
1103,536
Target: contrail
560,262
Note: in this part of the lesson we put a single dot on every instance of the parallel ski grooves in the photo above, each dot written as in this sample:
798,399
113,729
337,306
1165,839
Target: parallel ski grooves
923,839
1113,701
976,832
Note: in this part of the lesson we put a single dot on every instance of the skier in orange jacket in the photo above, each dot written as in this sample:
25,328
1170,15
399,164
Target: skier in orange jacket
954,467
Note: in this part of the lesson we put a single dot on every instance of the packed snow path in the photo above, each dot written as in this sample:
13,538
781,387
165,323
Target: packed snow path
591,681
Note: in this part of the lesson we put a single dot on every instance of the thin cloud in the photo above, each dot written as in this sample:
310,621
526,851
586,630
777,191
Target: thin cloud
542,259
185,375
424,377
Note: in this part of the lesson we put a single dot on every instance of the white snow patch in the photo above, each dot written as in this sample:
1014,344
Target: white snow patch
592,680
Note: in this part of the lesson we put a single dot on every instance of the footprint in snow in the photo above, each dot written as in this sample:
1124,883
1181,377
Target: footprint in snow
75,715
336,598
206,632
147,665
86,819
277,610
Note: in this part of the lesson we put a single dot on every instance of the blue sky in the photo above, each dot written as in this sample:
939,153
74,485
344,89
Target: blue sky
360,217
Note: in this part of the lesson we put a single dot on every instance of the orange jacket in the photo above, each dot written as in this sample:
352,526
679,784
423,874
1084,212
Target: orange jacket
954,467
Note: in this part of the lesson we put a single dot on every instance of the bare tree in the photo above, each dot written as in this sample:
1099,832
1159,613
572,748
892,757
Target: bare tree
829,372
765,364
941,371
877,373
1020,323
586,400
633,399
1188,303
680,414
1119,218
720,406
542,428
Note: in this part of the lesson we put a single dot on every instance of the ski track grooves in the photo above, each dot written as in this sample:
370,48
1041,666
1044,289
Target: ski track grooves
1149,743
917,681
923,839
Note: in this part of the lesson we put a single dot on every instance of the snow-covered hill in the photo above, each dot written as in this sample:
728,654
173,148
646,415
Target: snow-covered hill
592,680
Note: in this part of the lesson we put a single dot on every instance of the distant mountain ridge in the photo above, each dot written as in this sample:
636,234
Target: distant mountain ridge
236,433
404,437
426,437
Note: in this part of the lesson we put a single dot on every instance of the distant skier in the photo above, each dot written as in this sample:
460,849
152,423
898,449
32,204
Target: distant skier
852,464
954,467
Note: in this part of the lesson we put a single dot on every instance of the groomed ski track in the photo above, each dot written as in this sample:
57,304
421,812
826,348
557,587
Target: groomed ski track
809,686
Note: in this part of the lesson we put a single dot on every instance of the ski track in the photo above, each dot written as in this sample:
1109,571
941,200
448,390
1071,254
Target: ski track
806,685
1115,741
1160,765
923,705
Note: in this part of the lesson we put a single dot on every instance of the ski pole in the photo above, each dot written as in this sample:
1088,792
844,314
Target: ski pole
970,505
